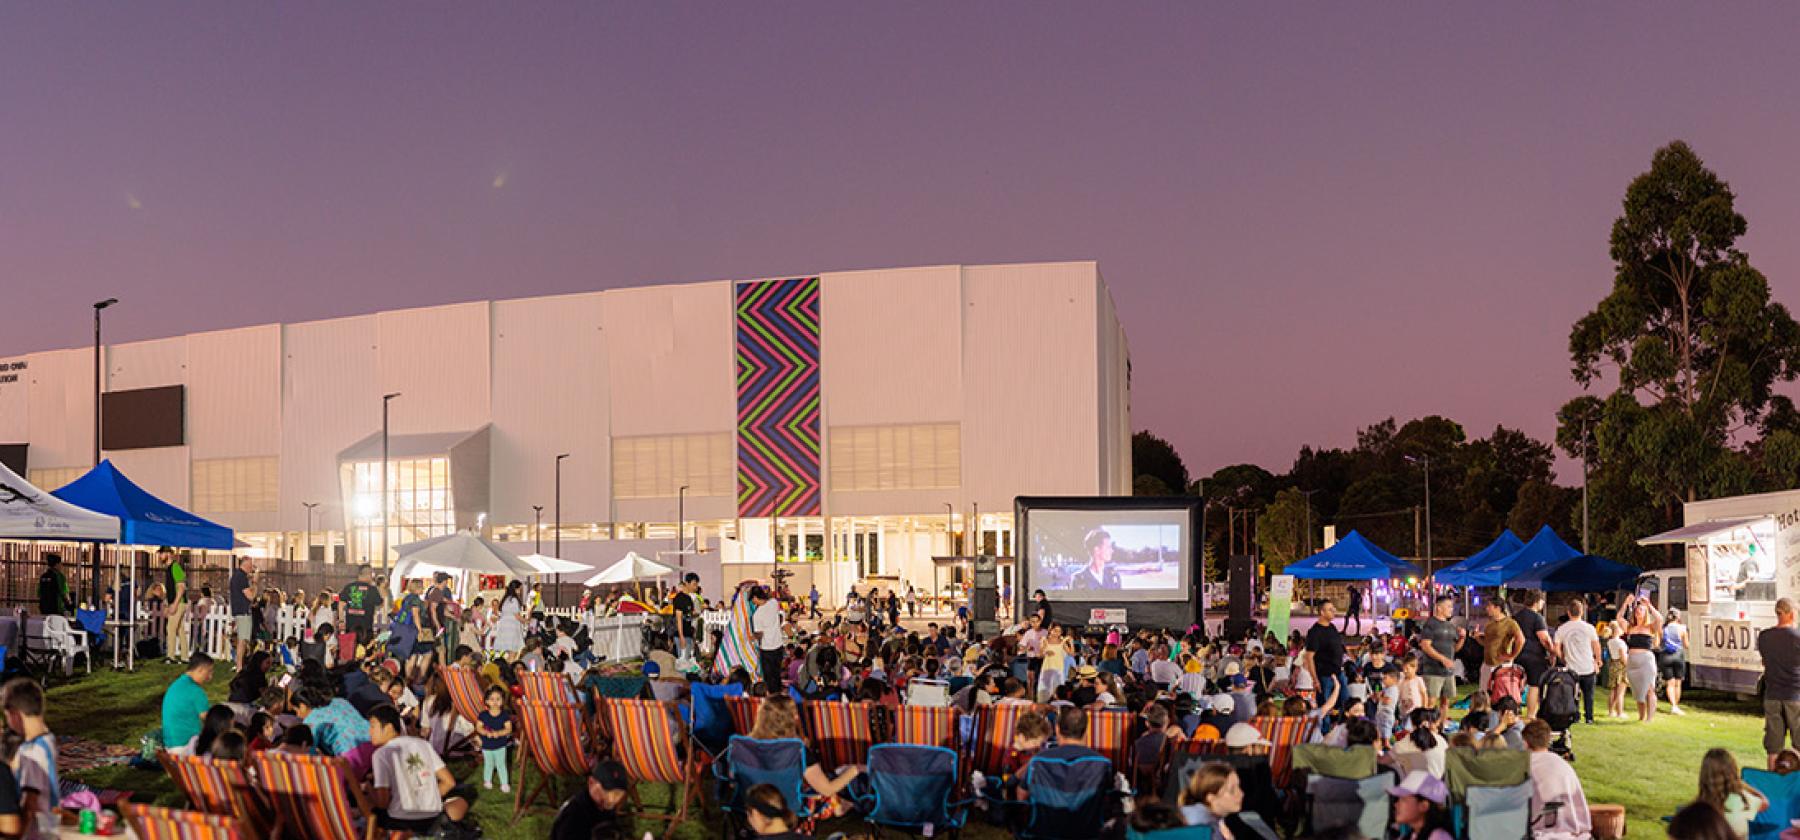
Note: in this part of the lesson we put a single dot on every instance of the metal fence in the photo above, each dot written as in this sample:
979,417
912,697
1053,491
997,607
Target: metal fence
23,563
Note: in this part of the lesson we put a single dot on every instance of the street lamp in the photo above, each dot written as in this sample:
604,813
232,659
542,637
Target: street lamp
1426,460
950,528
558,526
1584,480
681,526
1308,494
306,553
537,529
385,500
97,353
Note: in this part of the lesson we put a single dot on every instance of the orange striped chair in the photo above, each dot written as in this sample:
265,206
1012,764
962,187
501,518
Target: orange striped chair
1199,746
993,736
465,692
649,746
1283,733
928,726
1109,734
546,687
313,798
840,732
153,823
221,787
743,713
555,739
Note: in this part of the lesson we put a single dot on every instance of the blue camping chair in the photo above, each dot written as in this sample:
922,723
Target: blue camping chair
1067,798
1192,832
708,718
748,762
908,786
1783,793
1499,813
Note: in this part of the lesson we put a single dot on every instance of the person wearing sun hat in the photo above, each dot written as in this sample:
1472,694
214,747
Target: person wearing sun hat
1242,737
1421,806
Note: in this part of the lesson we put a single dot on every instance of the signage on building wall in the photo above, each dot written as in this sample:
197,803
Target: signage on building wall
778,397
11,372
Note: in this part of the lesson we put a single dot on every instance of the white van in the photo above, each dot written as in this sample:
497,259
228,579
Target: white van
1742,553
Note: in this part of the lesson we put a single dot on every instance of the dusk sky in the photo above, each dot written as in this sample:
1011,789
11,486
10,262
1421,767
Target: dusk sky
1311,217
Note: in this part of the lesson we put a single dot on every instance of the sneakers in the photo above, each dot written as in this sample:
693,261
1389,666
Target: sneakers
488,783
1677,710
506,788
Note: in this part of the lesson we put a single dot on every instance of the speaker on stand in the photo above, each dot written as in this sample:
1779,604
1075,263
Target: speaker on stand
1240,619
984,597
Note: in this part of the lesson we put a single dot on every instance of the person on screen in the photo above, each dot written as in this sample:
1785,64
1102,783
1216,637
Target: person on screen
1098,573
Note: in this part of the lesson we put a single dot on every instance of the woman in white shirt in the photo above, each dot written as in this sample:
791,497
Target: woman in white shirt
1425,741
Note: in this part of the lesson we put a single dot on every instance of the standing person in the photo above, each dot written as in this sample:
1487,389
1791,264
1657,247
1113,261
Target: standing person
1501,640
813,597
509,625
1612,670
242,599
1354,613
1643,633
1535,653
1671,659
686,607
176,590
360,598
1780,649
1041,606
1579,644
771,644
1325,653
1438,640
53,588
912,602
445,615
496,728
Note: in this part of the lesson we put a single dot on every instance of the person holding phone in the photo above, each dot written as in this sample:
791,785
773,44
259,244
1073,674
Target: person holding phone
1643,633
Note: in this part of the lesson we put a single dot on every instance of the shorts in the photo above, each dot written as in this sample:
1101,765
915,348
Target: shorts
1440,687
1781,721
1672,666
1535,669
242,627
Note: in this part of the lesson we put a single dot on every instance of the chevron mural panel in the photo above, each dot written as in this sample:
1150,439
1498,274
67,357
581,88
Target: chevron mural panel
778,397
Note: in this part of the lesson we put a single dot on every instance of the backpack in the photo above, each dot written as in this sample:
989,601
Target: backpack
1507,681
1558,707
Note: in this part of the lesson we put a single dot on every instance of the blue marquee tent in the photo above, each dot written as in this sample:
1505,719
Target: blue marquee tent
1505,545
1352,558
1545,548
144,519
1586,573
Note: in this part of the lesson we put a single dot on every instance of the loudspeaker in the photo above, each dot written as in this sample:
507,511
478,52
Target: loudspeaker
984,597
1243,588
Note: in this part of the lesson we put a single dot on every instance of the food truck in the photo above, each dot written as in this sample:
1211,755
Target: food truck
1742,553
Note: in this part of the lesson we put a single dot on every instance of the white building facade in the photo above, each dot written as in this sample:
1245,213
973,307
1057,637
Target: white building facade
854,424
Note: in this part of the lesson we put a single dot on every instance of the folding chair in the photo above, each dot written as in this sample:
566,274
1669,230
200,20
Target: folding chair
1283,733
929,726
743,711
649,744
546,687
1361,804
1109,734
841,732
993,736
221,787
465,692
909,787
1191,832
1066,798
153,823
709,721
555,737
313,798
748,762
1783,793
1200,746
1491,790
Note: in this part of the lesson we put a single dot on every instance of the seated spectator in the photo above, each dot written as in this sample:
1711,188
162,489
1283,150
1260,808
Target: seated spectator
1219,714
185,705
1786,761
1722,786
261,732
297,740
1152,814
217,722
1554,781
779,717
412,788
231,745
336,727
13,807
1505,729
34,755
1699,821
769,815
1014,693
1426,739
1421,807
1213,797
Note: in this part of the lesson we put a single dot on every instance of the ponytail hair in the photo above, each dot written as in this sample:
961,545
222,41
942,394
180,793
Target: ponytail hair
1422,735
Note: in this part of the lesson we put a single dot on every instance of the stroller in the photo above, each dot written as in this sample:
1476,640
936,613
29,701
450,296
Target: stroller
1561,707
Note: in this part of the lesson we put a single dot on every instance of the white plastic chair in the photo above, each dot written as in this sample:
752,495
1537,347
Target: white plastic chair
65,641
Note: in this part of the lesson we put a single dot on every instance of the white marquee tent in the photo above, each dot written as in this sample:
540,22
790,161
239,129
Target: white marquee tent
27,513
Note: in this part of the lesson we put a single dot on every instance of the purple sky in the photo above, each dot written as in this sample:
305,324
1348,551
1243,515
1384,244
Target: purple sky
1310,221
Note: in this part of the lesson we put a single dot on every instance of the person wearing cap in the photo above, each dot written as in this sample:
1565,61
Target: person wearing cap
1420,807
1244,699
1553,780
593,812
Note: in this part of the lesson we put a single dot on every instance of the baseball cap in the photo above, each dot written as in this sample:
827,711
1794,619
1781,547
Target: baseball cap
1423,785
1242,735
1223,703
610,774
1238,681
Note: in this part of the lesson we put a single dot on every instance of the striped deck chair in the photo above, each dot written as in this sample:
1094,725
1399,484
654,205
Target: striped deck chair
218,786
546,687
555,739
993,736
743,713
1283,733
153,823
649,745
465,692
927,726
1199,746
1109,734
841,733
312,797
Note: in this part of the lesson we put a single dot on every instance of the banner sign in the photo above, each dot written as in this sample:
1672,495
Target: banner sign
1281,596
1114,615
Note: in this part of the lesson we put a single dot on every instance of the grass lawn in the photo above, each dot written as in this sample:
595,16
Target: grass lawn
1651,770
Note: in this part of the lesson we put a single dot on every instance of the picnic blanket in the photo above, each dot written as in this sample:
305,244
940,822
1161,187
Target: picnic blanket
76,754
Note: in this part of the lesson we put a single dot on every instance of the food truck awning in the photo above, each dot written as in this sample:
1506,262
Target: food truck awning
1690,533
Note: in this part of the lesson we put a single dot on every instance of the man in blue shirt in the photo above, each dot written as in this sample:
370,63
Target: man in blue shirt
185,703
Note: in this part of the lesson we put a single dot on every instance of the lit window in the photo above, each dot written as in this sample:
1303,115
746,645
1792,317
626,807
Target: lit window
919,457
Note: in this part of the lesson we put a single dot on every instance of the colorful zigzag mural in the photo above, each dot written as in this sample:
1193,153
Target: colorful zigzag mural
778,397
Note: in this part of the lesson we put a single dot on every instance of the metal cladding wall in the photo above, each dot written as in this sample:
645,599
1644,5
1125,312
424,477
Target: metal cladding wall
778,397
61,408
330,398
551,379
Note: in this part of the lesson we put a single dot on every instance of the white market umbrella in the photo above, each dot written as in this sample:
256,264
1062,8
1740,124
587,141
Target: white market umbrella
631,567
457,554
547,565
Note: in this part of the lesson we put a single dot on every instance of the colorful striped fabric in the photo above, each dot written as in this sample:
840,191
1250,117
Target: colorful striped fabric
217,786
1201,746
743,711
465,692
737,649
649,746
312,795
555,737
1109,734
546,687
153,823
1283,733
841,732
993,736
928,726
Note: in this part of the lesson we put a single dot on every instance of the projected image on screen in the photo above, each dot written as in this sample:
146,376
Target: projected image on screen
1096,554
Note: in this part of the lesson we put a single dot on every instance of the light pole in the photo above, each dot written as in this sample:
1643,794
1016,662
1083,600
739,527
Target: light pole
1584,493
1308,494
1426,460
537,529
97,391
306,553
681,526
385,399
558,525
950,528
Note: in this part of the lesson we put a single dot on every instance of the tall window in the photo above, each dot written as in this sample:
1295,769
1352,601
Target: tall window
657,466
918,457
235,485
420,503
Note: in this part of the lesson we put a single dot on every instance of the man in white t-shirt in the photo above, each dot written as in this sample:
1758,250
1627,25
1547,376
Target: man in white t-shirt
1580,647
412,788
771,643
